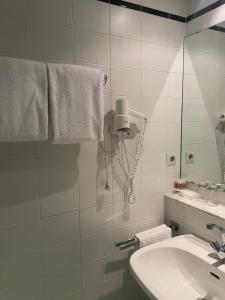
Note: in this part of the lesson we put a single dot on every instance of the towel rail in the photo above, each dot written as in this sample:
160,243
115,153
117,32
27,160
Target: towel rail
134,241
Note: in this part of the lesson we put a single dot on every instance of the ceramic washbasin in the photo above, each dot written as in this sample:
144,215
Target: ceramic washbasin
179,269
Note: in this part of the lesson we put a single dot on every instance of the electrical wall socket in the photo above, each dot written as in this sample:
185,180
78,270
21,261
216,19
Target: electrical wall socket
189,157
171,159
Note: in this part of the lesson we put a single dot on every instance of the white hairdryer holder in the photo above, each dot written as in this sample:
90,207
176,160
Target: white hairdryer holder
121,118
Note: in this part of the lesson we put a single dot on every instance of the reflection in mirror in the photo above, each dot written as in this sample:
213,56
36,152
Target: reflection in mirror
203,123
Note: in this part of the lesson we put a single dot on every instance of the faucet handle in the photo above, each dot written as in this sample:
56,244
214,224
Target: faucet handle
216,246
221,229
212,226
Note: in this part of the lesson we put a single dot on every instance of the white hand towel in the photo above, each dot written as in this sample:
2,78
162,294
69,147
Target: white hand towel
23,100
76,103
154,235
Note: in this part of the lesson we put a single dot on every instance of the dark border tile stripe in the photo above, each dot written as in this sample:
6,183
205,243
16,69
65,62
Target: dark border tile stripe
217,28
205,10
215,5
164,14
155,12
177,18
196,14
126,4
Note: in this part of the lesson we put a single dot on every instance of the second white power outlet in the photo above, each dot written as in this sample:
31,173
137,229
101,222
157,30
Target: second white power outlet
171,159
189,157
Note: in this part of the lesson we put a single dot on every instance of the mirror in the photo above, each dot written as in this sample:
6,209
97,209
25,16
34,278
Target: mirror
203,115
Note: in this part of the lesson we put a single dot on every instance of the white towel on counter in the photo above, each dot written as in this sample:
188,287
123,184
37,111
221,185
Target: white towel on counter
23,100
76,103
154,235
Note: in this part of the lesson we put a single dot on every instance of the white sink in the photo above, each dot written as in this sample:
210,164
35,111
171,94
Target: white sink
179,269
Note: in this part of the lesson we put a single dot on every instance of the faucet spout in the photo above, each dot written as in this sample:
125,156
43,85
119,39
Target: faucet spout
221,229
219,250
216,246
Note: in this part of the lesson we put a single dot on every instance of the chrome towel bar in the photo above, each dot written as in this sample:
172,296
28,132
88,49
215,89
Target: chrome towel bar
134,241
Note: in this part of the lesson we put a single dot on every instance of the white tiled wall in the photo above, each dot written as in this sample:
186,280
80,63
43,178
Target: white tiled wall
204,91
57,223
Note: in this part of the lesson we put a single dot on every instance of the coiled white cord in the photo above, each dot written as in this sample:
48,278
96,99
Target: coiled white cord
117,148
128,187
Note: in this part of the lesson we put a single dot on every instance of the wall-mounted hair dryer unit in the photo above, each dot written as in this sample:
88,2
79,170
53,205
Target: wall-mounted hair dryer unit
121,121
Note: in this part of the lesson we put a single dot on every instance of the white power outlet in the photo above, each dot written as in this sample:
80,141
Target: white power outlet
171,159
189,157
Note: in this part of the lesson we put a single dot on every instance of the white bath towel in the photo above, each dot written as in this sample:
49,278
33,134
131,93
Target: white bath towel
76,103
23,100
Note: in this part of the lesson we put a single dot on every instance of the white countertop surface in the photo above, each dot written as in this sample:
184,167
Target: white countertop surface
217,210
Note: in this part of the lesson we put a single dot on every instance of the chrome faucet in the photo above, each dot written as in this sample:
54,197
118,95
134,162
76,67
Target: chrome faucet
219,249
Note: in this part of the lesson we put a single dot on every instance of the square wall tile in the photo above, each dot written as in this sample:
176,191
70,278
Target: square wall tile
18,241
14,8
155,134
60,229
162,31
125,81
196,110
55,11
174,110
56,201
19,188
152,207
125,22
95,271
59,284
62,256
198,132
173,134
153,183
58,172
192,87
162,110
162,58
175,85
15,286
15,150
125,52
13,36
91,15
191,61
51,41
97,246
155,84
96,219
92,47
154,159
155,109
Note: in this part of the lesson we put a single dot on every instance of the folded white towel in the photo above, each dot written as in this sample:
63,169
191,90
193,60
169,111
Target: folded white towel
76,103
23,100
154,235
